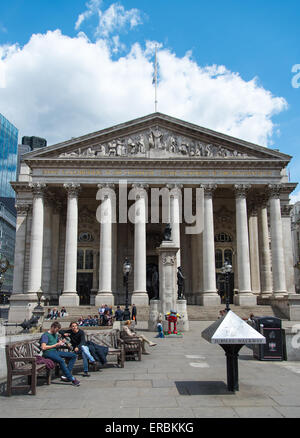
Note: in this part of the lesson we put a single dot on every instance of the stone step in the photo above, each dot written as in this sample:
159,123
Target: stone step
195,313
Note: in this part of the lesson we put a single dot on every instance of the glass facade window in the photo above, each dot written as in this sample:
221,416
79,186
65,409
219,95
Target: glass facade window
80,259
219,259
8,156
85,259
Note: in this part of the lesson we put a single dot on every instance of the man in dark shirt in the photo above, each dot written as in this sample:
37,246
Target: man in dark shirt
119,314
50,344
78,342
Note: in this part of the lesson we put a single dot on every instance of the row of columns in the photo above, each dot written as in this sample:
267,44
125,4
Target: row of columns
269,280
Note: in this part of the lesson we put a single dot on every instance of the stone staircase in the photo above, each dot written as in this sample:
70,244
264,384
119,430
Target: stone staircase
195,313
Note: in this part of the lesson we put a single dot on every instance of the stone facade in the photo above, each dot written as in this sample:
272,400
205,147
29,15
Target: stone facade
74,200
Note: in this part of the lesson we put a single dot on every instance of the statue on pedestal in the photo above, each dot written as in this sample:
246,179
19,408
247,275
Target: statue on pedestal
167,236
180,283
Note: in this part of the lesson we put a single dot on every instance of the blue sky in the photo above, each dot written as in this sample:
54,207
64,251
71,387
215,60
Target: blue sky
251,39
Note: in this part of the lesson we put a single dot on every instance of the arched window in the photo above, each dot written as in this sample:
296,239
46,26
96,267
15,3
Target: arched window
223,237
219,259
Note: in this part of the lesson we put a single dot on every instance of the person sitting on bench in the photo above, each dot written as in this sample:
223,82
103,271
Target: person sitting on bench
130,333
78,342
50,344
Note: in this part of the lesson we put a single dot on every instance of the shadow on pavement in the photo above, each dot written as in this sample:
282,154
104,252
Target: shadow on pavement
201,388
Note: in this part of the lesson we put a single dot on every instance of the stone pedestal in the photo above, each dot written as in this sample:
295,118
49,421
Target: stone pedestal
167,289
245,300
104,298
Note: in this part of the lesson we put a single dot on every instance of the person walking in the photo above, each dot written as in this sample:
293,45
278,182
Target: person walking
134,313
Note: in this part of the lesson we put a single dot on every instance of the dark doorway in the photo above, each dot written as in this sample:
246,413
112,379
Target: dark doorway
221,286
84,286
152,289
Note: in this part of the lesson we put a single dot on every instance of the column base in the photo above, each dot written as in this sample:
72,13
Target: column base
209,300
140,299
154,315
266,294
21,307
69,300
183,323
280,294
245,300
104,298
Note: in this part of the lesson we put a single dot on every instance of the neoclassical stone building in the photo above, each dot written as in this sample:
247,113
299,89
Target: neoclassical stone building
239,191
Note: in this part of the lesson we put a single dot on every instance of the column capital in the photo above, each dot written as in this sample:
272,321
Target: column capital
208,189
241,190
38,189
72,189
286,210
106,186
140,189
107,190
22,208
175,189
274,191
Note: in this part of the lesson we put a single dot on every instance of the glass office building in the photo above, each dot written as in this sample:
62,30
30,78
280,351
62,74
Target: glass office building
8,156
8,166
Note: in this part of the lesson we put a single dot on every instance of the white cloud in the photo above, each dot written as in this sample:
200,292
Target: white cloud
92,8
60,87
295,197
115,18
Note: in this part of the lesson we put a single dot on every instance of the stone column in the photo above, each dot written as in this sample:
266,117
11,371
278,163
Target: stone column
209,295
175,219
278,262
69,296
18,300
264,246
245,296
19,260
197,266
36,240
140,295
105,295
254,249
55,248
47,245
288,248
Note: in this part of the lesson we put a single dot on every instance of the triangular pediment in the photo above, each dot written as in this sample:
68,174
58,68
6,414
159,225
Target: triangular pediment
157,137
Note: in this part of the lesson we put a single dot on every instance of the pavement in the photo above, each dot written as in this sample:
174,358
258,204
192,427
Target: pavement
181,378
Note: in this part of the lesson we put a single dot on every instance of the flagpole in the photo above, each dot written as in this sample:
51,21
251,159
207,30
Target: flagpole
155,78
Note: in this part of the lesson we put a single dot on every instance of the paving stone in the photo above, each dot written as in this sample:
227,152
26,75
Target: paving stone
166,413
215,412
256,412
162,383
121,412
289,412
133,383
289,400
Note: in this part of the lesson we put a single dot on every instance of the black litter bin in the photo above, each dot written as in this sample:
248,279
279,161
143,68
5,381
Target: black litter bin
270,328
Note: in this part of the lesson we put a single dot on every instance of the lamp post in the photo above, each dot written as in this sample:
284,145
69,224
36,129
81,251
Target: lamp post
126,272
226,271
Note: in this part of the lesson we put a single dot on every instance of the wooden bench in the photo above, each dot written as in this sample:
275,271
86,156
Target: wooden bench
114,343
132,346
21,358
21,361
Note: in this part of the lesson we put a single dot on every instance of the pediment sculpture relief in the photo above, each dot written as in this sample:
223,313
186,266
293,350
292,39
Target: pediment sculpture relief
155,143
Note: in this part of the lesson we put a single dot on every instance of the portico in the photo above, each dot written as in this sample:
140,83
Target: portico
88,204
